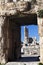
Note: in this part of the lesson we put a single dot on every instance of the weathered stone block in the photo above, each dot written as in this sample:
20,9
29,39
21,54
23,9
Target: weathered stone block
40,26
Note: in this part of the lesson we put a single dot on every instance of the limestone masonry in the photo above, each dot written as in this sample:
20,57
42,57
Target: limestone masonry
10,22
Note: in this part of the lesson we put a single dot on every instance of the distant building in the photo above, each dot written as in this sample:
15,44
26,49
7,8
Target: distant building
27,39
30,45
32,48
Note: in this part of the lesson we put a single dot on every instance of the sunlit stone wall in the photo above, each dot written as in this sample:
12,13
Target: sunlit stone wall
2,55
40,29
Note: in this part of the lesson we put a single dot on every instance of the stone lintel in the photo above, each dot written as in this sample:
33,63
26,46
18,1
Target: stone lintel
12,8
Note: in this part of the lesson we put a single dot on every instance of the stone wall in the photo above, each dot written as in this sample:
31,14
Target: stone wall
40,30
10,47
2,55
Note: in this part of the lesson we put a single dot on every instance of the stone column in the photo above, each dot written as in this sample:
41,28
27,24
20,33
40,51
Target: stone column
2,55
40,27
26,38
4,39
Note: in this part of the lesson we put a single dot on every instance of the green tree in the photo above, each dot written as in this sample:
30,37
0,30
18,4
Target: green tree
40,13
40,64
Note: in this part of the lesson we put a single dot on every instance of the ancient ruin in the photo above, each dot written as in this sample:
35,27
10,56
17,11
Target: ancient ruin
11,18
30,46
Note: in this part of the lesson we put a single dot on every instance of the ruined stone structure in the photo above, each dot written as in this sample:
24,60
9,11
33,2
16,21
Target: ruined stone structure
11,18
10,43
26,38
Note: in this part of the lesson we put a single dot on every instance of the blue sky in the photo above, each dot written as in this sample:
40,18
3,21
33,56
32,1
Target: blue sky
32,31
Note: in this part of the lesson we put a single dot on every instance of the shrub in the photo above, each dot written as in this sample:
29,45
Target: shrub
24,64
40,64
2,64
40,13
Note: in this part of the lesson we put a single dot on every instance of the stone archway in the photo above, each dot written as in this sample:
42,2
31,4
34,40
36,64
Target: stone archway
10,36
